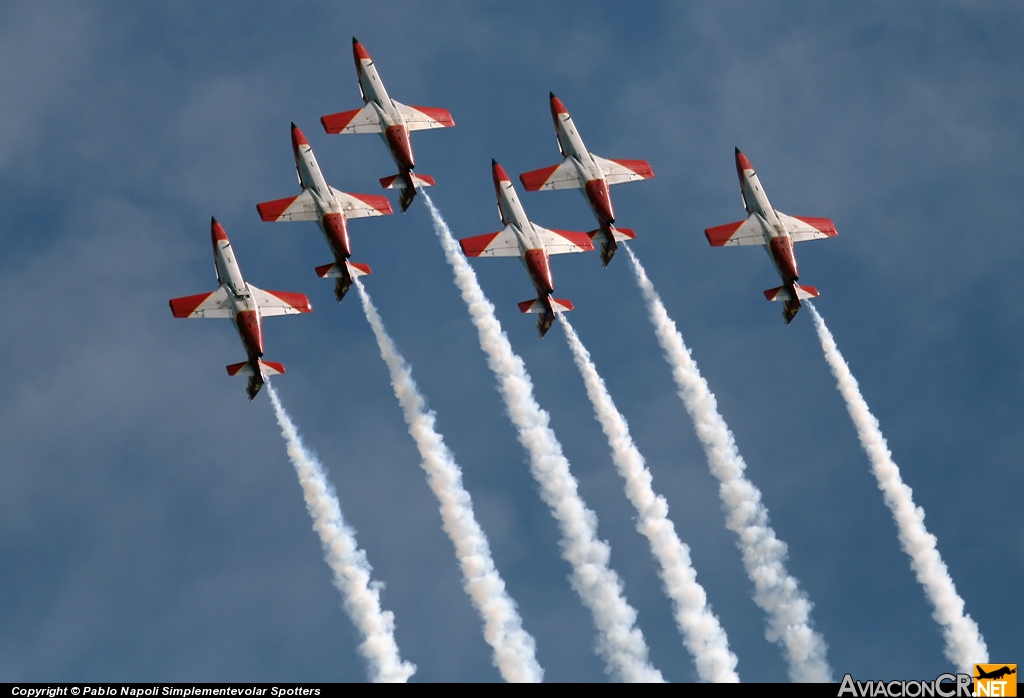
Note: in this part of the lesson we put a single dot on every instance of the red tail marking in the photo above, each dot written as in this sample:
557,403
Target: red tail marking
274,365
322,270
233,369
525,306
386,182
270,211
365,268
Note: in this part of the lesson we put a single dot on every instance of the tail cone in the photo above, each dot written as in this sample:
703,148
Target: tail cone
341,286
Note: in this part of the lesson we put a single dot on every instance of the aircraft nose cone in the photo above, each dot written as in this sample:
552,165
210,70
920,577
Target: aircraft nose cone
217,231
556,105
358,51
741,162
499,172
298,137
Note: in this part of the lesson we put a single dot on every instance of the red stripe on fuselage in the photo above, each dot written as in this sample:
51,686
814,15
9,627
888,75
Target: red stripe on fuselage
335,228
249,327
537,264
600,200
782,252
401,148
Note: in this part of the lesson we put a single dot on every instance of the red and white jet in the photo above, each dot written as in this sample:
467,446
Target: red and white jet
777,232
589,173
393,121
532,244
330,208
246,305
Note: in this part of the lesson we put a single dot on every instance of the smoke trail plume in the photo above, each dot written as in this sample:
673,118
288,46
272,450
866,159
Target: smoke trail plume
776,592
702,633
964,643
620,643
348,562
503,628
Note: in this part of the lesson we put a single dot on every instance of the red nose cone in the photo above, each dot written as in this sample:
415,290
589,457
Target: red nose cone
359,52
298,138
742,163
499,173
217,231
556,106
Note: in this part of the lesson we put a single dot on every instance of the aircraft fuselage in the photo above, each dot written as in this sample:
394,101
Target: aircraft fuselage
777,241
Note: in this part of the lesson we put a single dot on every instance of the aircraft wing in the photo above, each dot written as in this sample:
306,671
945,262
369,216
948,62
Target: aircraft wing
279,302
564,241
362,205
564,176
214,304
291,208
802,228
504,243
365,120
619,171
746,232
420,118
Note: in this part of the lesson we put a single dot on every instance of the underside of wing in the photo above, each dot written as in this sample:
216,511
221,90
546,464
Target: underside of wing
619,171
363,120
205,305
802,228
420,118
290,208
746,232
362,205
504,243
564,241
562,176
279,302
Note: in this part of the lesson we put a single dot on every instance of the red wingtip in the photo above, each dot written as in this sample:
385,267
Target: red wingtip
499,173
742,163
217,231
556,105
358,51
298,138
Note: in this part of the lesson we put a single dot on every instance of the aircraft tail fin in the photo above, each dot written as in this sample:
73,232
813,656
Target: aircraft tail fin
609,238
343,275
256,377
791,295
547,307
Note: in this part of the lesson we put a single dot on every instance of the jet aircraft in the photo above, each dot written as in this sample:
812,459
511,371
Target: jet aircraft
330,208
532,244
776,232
589,173
393,121
995,673
246,305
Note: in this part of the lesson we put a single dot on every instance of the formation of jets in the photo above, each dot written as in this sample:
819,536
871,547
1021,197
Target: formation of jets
580,169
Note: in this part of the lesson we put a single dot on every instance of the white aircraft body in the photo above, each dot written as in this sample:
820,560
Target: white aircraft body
532,244
589,173
392,120
330,208
776,232
246,305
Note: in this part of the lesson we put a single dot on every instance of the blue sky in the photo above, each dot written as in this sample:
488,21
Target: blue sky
150,524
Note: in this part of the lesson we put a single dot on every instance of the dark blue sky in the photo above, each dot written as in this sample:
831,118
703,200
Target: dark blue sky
151,527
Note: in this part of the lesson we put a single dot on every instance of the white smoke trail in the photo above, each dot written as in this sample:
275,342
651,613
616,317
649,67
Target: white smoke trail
620,643
775,591
347,561
702,633
503,628
964,644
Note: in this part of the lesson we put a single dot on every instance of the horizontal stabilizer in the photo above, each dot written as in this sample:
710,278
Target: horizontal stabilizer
537,305
782,293
334,270
270,368
398,182
620,234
